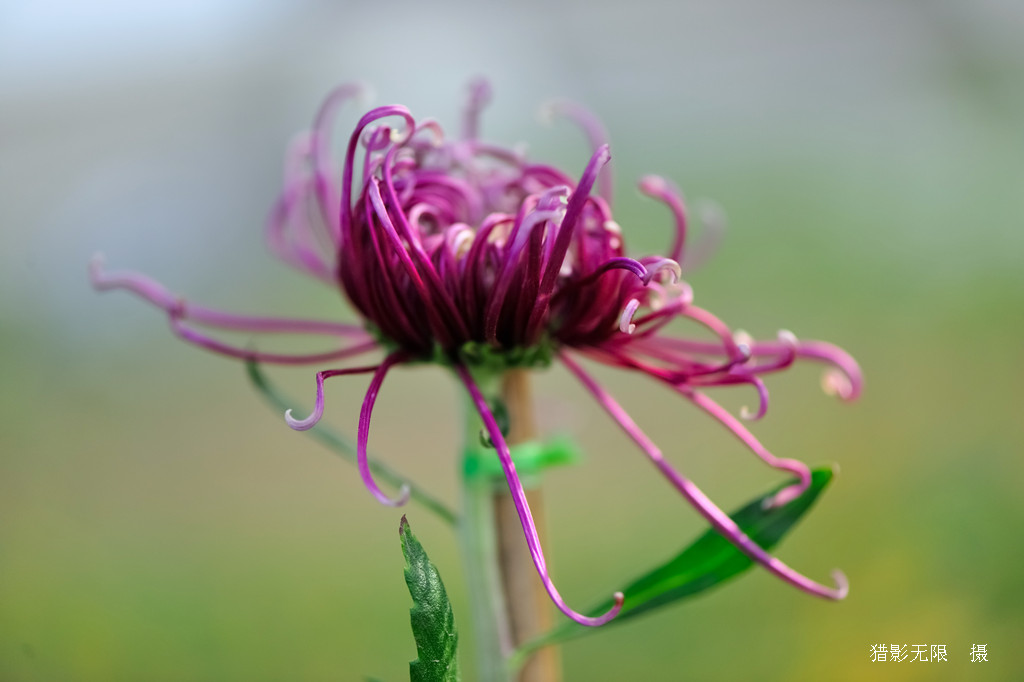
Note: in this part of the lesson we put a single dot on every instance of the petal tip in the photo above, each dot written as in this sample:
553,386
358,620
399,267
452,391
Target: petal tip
96,265
842,585
301,424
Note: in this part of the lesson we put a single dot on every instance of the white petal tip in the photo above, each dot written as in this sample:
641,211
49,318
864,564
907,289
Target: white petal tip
301,424
842,584
96,264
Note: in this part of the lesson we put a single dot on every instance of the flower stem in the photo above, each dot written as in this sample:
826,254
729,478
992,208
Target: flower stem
478,544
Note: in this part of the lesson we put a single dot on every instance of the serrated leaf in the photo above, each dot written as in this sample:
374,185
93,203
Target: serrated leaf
708,562
433,623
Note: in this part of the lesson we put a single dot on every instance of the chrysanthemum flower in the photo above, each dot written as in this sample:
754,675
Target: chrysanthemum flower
466,253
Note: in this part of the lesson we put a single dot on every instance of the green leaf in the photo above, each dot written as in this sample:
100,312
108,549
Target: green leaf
433,623
708,562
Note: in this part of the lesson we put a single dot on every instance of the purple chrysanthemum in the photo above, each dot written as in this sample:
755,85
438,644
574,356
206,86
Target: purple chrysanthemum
466,253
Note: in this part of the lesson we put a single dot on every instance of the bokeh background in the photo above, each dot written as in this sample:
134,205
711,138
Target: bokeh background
159,522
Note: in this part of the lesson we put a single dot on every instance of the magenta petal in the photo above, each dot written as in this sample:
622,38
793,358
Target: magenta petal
364,435
318,408
718,519
523,508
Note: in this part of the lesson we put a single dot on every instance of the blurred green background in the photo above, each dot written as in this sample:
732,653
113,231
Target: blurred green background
158,522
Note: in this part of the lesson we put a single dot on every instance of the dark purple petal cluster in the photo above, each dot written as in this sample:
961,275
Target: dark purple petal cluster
467,253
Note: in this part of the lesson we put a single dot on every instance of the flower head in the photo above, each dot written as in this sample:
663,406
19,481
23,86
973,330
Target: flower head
467,253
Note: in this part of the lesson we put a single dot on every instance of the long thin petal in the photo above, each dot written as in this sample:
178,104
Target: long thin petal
661,189
596,134
327,194
157,294
318,407
523,509
577,200
188,333
363,436
844,378
718,519
479,96
796,467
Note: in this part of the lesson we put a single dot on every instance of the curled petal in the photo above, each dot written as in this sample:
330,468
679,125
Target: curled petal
326,192
743,341
796,467
297,231
736,351
788,345
572,213
661,189
834,382
318,409
666,301
479,97
509,274
718,519
137,283
556,253
345,225
844,378
626,325
762,402
523,509
364,435
592,127
427,301
712,222
663,265
618,263
434,127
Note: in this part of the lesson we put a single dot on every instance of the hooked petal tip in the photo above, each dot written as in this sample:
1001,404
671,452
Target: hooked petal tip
548,111
303,424
626,325
842,585
664,265
835,382
403,497
598,621
652,185
96,275
784,496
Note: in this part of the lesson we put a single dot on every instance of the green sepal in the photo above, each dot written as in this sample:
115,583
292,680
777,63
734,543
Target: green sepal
433,623
706,563
481,356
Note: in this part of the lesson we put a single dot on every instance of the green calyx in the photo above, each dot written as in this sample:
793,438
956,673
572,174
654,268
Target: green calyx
481,357
490,359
